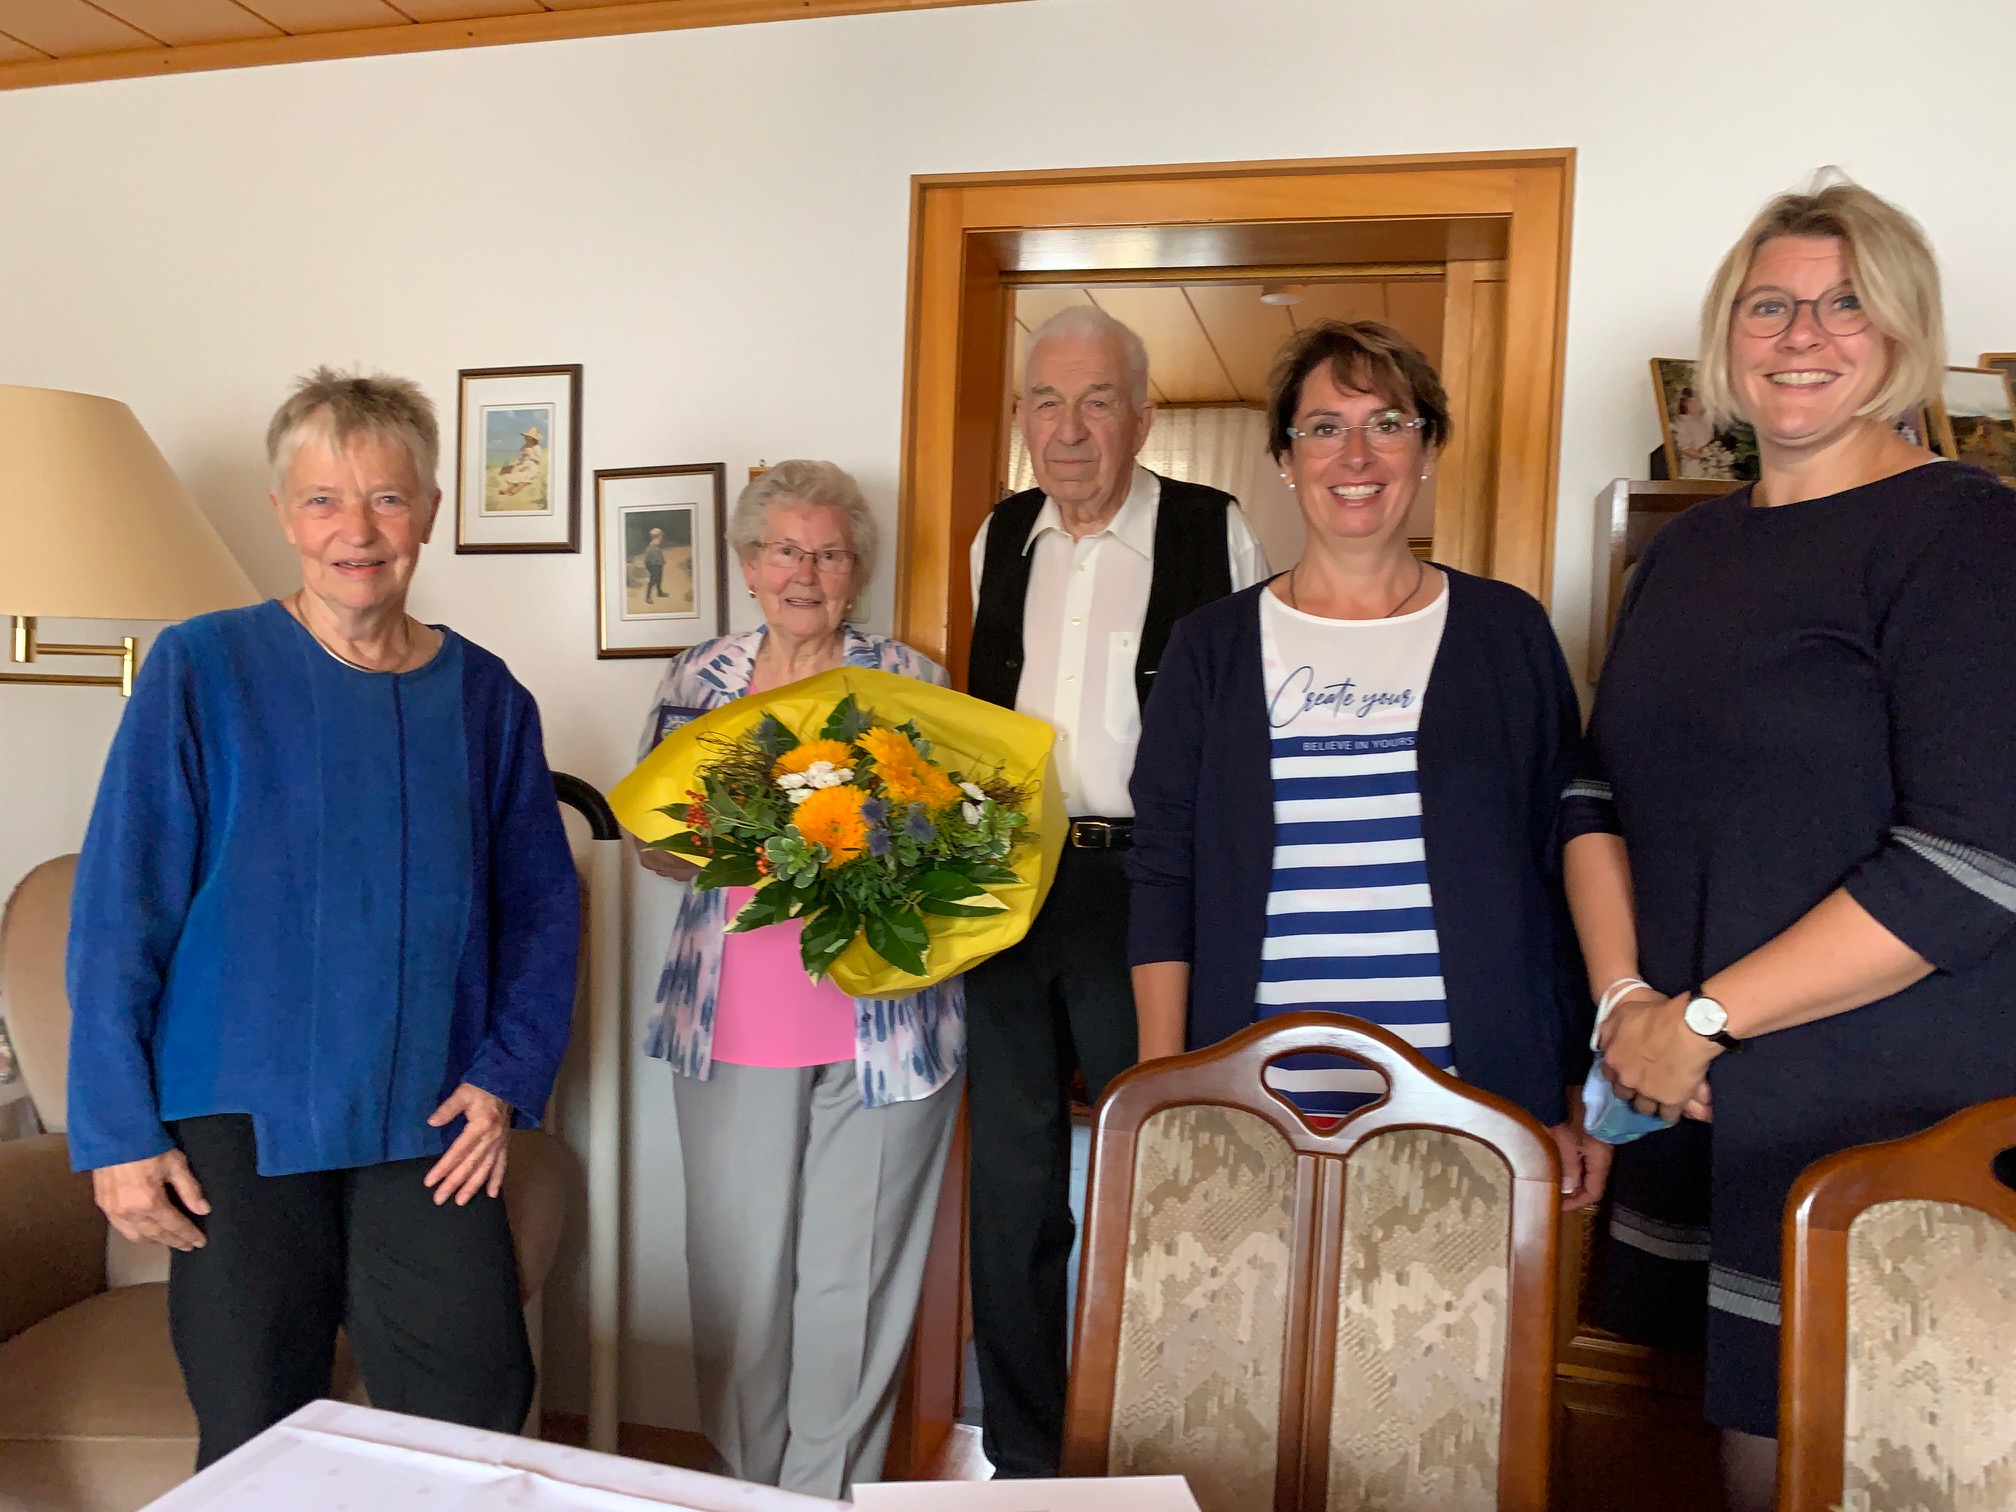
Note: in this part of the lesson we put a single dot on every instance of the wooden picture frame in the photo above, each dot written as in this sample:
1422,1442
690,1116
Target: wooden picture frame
518,459
679,515
1695,452
1983,400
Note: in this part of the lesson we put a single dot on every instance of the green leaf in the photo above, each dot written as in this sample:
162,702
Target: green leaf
729,871
827,933
771,905
773,738
685,843
847,721
944,883
899,938
986,873
960,910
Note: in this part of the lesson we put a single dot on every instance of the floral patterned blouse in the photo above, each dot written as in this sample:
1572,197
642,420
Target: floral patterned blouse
904,1048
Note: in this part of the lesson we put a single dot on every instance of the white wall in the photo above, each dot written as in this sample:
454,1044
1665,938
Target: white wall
716,223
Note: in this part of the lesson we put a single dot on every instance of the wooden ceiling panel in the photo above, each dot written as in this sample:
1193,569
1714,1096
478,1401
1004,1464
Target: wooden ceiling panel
12,51
69,28
298,17
465,10
1246,333
180,23
1339,301
1183,365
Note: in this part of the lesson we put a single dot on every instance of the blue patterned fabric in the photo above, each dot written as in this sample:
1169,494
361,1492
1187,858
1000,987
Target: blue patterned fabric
905,1048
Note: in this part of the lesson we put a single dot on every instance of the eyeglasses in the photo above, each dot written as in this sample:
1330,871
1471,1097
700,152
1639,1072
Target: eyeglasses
1385,432
1769,313
786,555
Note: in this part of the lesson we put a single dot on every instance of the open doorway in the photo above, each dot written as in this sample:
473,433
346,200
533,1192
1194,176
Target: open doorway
1466,254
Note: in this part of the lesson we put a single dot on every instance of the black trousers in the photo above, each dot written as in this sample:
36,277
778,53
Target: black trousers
1060,1000
428,1295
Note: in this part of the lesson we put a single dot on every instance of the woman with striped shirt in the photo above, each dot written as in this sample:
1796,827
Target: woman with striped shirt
1348,780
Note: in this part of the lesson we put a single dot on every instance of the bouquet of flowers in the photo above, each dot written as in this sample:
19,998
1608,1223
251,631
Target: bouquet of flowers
903,823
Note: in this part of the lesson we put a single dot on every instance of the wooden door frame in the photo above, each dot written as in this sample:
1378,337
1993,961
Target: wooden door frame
955,379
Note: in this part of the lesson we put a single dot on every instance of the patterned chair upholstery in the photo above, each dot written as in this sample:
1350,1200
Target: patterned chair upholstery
1899,1387
1358,1317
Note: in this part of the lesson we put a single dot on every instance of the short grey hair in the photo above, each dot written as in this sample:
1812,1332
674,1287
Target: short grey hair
800,484
1091,322
336,407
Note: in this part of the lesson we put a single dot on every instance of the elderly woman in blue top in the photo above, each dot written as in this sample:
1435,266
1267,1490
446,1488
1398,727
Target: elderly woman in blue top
322,959
813,1127
1349,779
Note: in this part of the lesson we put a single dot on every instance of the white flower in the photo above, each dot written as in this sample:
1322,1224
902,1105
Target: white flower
823,774
971,811
791,780
799,795
972,792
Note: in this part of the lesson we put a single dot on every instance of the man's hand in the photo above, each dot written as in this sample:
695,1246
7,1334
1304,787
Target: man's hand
1585,1160
134,1198
476,1159
665,864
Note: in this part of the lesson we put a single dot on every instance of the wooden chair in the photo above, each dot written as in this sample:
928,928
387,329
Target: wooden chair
1898,1384
1356,1318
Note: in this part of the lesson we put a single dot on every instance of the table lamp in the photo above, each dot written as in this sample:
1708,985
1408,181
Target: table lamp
95,525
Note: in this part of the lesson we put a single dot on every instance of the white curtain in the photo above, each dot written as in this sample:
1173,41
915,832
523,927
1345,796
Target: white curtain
1211,446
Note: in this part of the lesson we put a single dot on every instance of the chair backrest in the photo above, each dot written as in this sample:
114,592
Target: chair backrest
34,933
1312,1320
1898,1380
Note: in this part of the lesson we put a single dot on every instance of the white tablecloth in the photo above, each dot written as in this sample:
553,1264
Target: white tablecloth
334,1457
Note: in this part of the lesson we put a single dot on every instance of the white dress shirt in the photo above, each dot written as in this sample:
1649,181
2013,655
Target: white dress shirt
1081,633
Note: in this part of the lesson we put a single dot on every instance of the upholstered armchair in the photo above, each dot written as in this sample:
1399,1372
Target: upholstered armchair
1357,1318
1899,1385
93,1417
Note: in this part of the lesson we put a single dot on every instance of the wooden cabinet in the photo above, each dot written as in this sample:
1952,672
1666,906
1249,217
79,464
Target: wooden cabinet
1629,513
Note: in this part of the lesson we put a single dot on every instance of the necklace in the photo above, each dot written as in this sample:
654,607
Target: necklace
1420,573
294,608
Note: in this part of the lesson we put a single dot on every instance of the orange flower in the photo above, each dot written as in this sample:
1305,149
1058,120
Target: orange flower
832,817
803,758
906,776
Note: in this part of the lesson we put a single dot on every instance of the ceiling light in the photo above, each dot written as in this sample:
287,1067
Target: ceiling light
1281,294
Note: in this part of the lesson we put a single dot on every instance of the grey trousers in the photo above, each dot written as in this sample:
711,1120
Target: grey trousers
808,1219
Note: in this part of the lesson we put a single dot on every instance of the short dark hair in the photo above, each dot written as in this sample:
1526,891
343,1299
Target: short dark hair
1362,354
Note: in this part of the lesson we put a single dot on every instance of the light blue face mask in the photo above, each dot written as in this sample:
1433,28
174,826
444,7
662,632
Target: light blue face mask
1608,1117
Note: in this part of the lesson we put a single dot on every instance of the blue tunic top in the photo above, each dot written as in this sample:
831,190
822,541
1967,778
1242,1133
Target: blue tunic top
316,895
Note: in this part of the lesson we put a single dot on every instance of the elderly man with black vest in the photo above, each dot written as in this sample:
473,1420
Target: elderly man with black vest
1078,582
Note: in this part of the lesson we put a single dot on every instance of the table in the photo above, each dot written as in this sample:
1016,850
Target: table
336,1457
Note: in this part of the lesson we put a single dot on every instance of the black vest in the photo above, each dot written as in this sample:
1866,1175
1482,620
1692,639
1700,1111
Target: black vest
1192,566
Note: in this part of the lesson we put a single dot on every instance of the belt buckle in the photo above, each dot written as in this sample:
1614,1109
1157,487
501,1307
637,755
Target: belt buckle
1085,827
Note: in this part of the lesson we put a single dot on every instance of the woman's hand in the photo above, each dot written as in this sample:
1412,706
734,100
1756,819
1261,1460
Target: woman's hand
1585,1160
476,1159
1654,1060
665,864
134,1198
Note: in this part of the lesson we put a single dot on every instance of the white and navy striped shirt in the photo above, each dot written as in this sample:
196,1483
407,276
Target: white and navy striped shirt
1350,924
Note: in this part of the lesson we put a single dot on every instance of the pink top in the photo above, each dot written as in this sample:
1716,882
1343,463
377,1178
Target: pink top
768,1013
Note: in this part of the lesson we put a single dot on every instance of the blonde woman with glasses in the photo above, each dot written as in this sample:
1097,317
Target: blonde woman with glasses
1794,845
813,1128
1346,793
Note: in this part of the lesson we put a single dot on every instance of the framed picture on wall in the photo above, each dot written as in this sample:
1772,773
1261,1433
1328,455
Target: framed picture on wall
1974,420
518,459
661,572
1694,448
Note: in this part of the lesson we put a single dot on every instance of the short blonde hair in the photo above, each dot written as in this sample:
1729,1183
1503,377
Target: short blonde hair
801,482
337,406
1894,272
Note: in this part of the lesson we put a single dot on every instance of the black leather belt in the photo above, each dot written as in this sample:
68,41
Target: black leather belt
1102,834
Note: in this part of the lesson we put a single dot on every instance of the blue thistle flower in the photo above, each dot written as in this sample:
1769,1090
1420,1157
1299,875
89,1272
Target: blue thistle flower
878,841
874,810
919,826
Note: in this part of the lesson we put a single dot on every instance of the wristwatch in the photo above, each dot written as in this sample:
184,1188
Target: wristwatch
1710,1020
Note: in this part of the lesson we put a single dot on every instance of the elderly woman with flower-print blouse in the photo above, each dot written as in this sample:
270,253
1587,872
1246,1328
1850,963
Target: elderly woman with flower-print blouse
813,1127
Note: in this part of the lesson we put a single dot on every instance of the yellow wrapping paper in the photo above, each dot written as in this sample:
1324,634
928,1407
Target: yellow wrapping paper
967,735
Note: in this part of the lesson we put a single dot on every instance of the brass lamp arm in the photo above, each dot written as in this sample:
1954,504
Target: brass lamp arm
25,648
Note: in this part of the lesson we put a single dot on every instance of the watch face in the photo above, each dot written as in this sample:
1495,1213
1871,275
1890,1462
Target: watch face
1705,1016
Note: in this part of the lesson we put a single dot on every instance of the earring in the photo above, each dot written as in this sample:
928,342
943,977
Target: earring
752,593
1424,477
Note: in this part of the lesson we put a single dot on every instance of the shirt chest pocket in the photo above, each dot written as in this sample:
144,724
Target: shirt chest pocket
1123,706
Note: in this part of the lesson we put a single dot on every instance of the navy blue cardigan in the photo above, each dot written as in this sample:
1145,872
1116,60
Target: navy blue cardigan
1499,731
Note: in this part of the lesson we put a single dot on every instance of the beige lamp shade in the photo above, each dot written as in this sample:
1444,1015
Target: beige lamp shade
93,522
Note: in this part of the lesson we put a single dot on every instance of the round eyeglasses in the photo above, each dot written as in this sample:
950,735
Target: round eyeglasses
1769,313
1384,432
786,555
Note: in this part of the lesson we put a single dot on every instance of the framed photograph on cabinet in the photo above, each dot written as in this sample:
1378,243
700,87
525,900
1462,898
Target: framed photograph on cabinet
661,573
518,459
1974,420
1694,448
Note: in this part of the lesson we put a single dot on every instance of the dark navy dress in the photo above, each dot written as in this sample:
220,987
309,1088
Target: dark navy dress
1800,699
